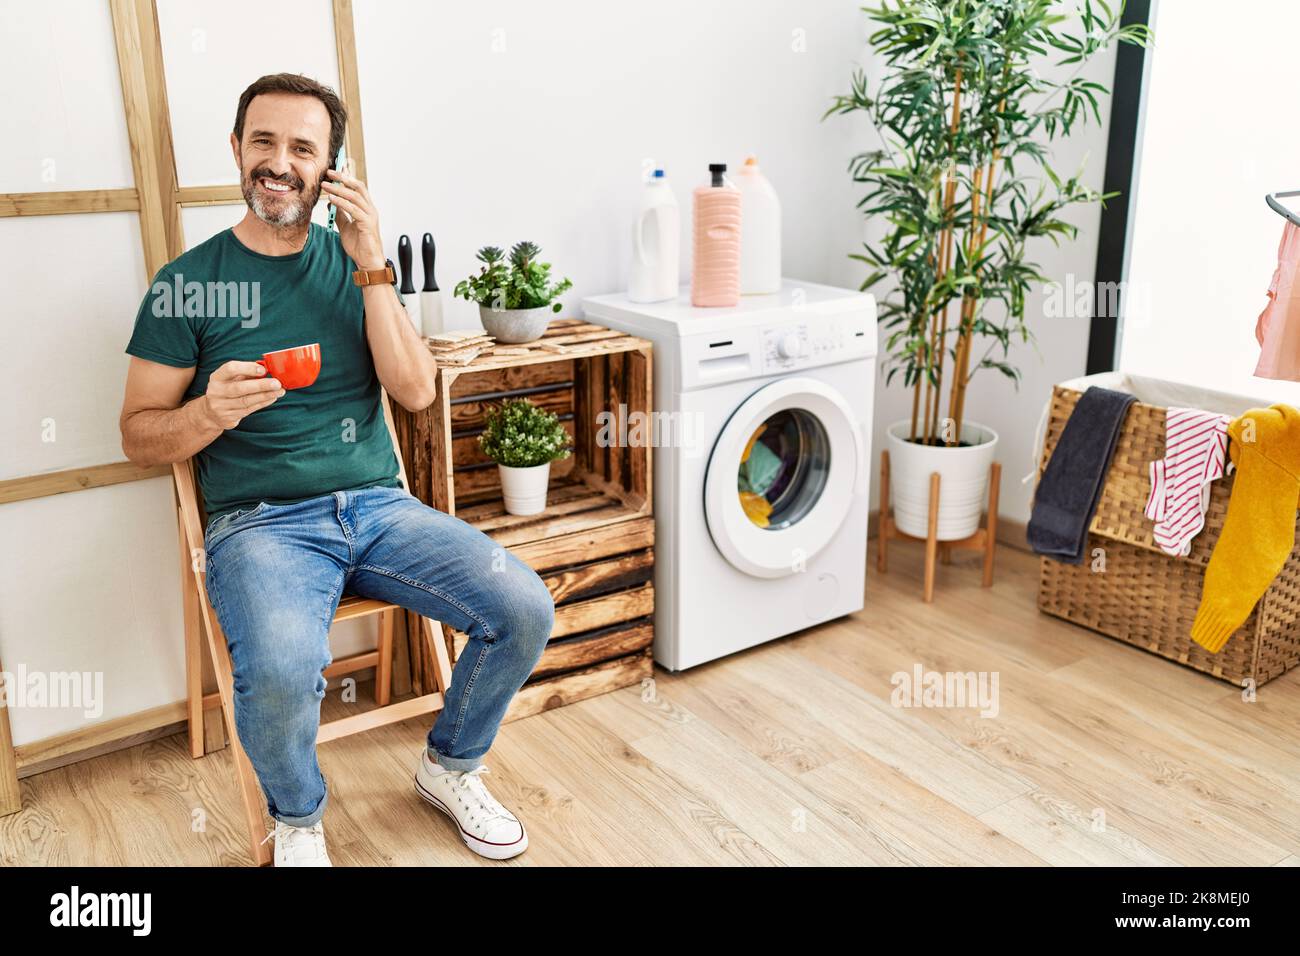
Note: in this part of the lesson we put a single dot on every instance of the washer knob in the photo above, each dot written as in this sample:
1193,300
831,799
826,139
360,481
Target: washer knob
790,346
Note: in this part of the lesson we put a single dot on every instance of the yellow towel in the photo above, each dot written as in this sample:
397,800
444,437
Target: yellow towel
757,508
1259,532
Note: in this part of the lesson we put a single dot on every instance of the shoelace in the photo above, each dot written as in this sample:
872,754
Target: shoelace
298,839
470,781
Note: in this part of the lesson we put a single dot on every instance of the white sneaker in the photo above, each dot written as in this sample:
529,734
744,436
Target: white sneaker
487,828
299,846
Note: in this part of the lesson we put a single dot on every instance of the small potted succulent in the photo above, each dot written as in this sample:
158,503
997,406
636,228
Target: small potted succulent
515,296
523,440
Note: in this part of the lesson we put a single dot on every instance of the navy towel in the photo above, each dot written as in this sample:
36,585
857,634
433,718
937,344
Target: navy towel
1071,485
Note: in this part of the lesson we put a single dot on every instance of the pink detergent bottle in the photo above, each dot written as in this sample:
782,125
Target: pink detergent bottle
715,271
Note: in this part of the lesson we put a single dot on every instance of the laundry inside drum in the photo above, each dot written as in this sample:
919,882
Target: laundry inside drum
783,469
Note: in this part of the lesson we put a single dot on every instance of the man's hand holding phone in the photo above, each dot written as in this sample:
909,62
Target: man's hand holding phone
359,228
236,390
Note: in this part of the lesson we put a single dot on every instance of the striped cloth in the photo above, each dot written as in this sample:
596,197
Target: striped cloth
1196,446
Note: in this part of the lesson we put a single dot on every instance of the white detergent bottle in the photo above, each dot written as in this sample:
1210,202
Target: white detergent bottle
760,232
656,244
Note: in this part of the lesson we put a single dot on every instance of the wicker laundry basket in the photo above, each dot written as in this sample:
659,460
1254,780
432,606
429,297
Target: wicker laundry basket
1148,598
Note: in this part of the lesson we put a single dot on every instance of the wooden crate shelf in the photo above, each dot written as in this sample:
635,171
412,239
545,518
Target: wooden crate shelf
572,506
550,692
567,655
593,545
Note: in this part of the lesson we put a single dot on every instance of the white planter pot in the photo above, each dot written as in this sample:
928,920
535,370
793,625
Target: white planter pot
963,480
513,326
524,489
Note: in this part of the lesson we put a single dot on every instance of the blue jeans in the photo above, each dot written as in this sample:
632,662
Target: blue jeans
275,574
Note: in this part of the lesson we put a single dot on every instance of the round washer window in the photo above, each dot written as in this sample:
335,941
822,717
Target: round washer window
783,469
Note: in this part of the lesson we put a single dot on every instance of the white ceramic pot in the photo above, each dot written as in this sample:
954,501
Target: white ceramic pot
524,489
963,480
513,326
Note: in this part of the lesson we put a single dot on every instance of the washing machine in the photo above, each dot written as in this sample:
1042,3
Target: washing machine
762,445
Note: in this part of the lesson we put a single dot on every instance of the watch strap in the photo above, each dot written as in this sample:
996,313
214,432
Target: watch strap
384,276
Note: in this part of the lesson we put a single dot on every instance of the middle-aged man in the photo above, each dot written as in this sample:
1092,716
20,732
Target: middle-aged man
301,485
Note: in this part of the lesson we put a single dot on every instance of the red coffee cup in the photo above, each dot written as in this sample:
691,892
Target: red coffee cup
294,368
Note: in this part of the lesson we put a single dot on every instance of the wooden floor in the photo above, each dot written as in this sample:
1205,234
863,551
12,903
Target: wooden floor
790,753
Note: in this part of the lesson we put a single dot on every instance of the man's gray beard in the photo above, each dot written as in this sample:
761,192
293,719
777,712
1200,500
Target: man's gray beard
290,216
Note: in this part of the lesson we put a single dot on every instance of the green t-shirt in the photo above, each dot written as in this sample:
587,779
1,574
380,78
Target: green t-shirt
234,303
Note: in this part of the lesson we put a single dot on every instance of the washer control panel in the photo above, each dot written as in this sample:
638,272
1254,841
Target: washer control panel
812,341
776,343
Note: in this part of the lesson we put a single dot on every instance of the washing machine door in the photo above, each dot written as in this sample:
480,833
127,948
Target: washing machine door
782,476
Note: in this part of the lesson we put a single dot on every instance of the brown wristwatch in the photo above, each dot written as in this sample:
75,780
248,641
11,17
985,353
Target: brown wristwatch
384,276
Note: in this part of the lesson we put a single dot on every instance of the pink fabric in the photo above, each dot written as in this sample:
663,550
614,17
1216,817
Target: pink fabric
1196,446
1278,328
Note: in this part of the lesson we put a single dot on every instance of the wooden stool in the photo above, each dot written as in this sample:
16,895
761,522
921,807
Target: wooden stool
984,539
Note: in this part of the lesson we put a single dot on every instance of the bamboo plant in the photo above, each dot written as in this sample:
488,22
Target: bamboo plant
963,178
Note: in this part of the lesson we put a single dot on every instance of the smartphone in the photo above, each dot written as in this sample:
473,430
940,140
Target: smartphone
341,164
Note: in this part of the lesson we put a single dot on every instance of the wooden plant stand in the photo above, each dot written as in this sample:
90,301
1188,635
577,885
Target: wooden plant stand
593,544
984,539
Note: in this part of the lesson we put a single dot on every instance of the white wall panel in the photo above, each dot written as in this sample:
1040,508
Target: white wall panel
89,583
72,285
212,51
64,125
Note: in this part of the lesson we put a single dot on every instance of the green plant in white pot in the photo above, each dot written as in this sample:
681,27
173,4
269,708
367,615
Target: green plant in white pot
523,440
515,296
962,179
